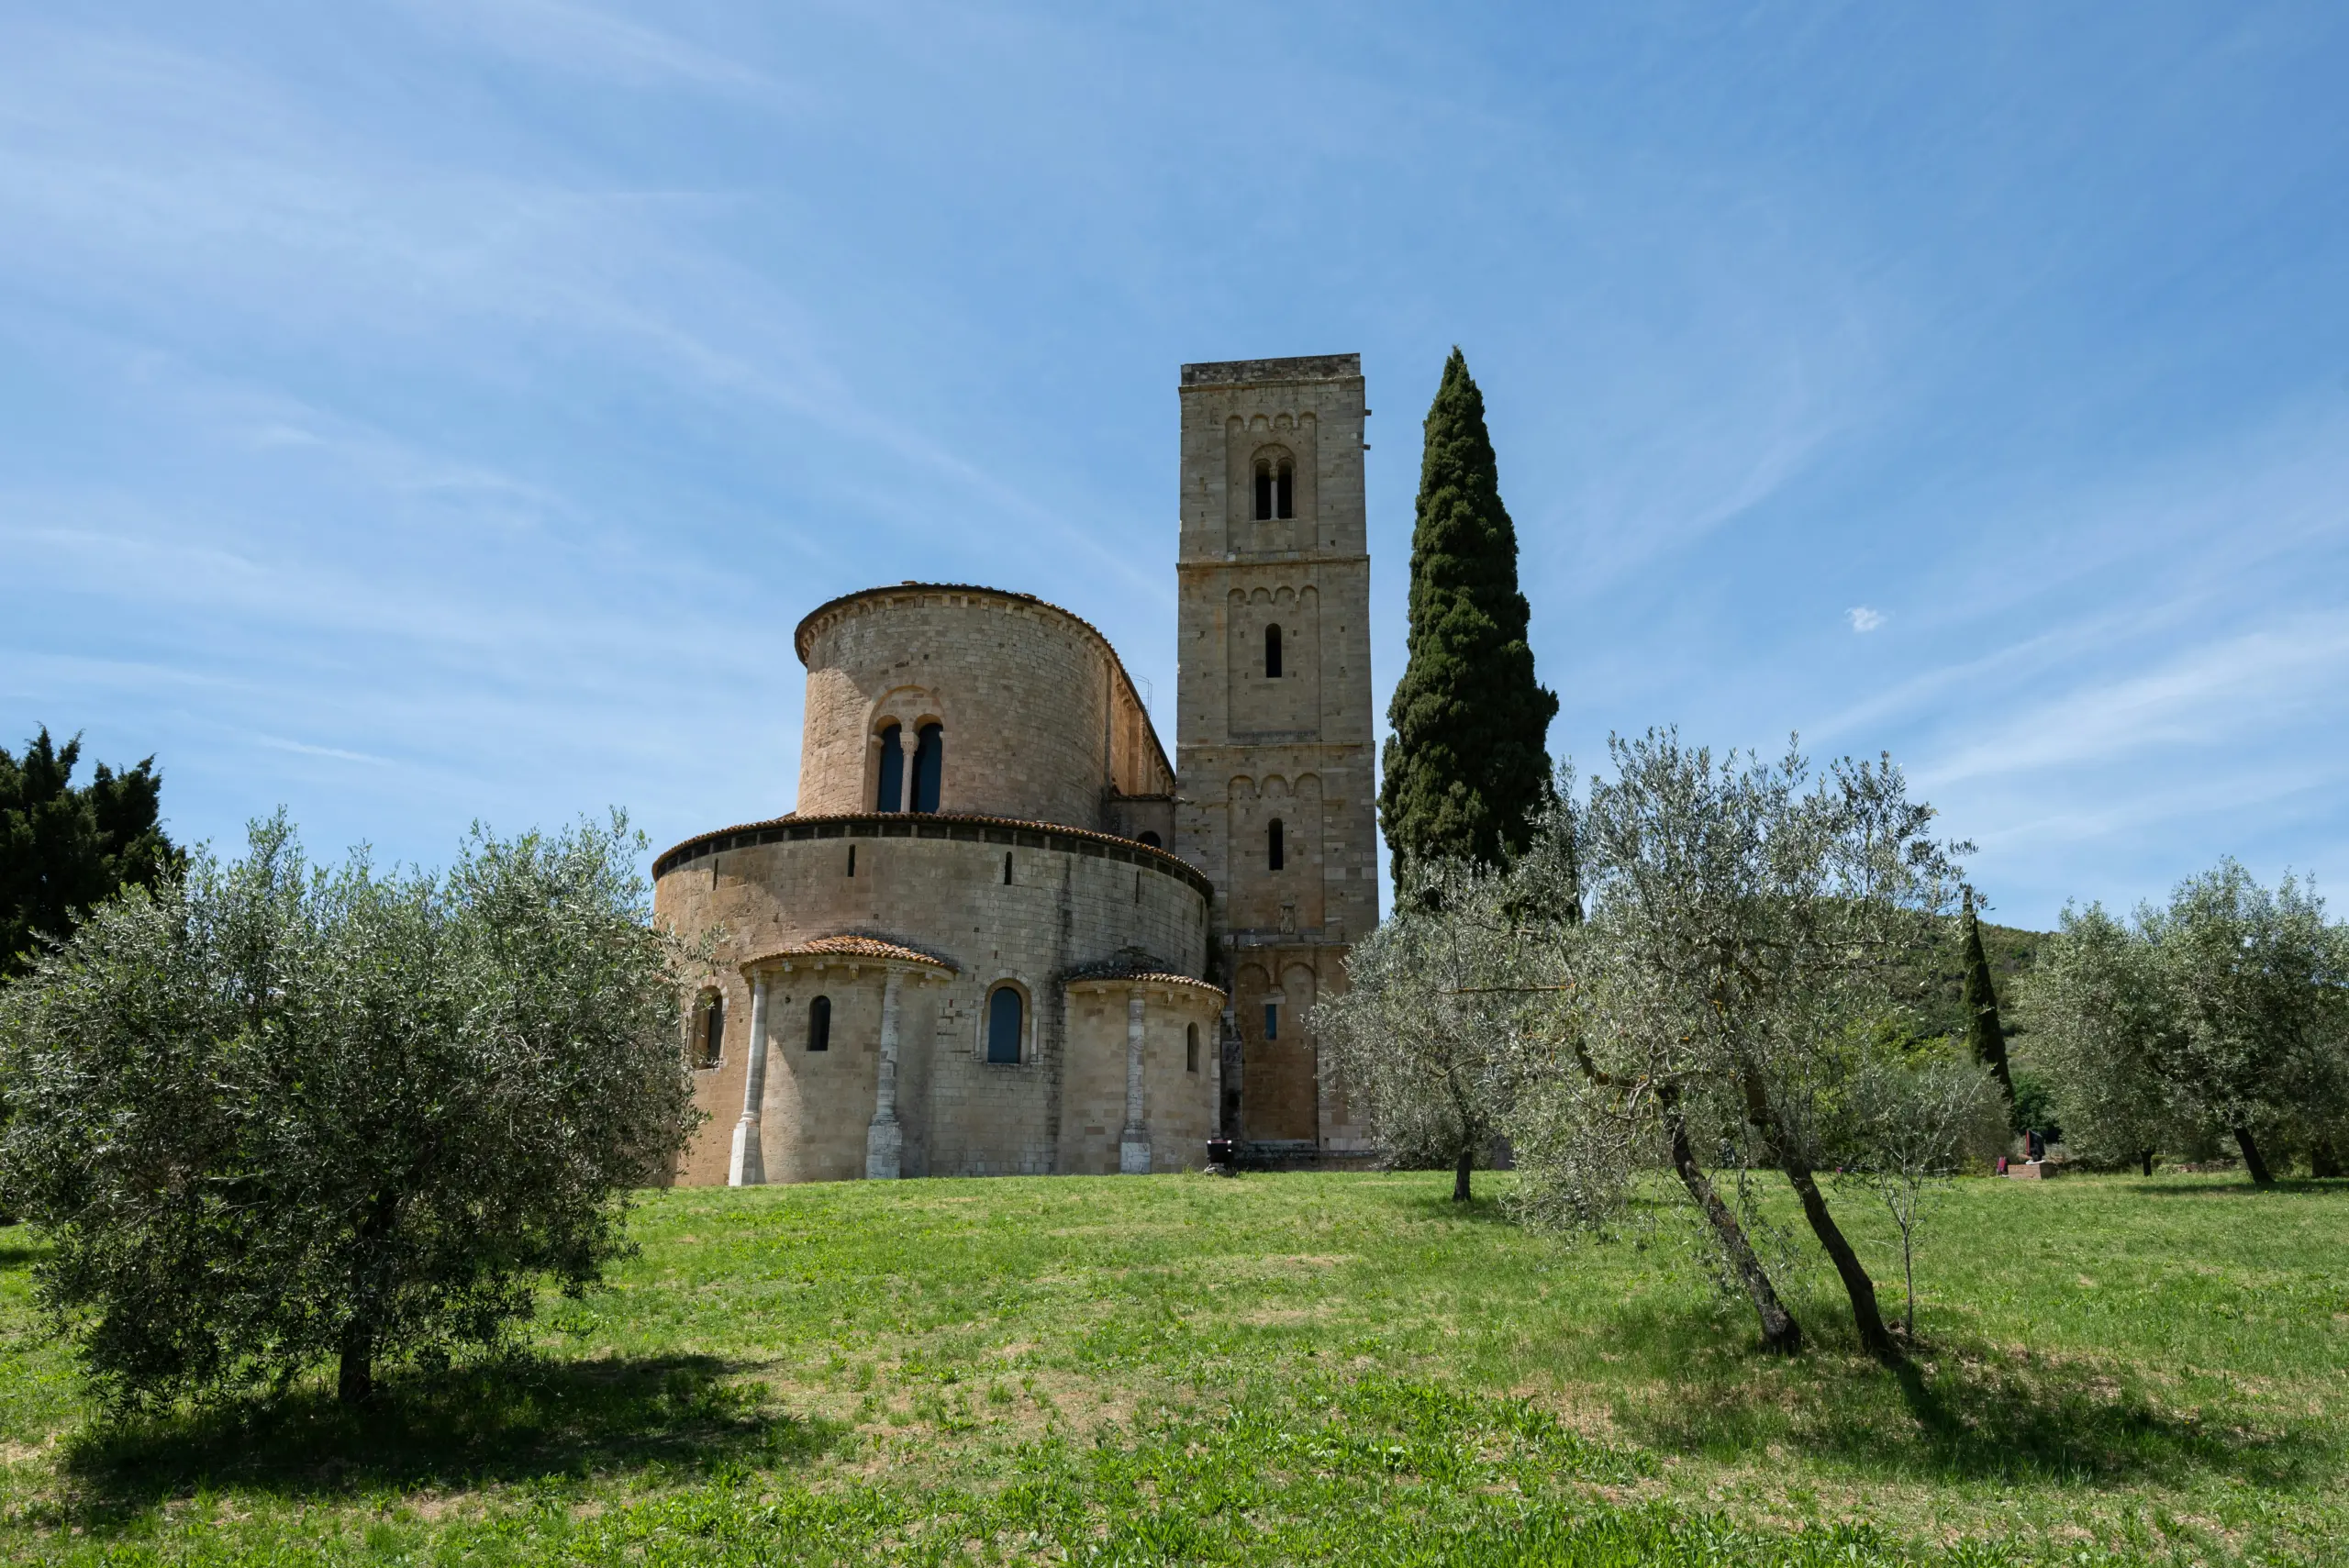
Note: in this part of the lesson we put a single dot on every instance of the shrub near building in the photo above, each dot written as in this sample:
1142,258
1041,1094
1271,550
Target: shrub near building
269,1117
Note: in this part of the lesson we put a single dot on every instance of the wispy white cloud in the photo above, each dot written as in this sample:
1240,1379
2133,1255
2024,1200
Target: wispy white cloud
279,743
584,41
1863,618
2252,681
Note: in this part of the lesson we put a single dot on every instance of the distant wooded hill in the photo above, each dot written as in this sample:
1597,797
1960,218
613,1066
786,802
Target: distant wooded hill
1939,996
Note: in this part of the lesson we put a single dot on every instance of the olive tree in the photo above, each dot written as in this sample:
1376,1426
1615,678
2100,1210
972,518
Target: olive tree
2095,999
2254,982
269,1115
1912,1126
1741,920
1424,1035
2224,1015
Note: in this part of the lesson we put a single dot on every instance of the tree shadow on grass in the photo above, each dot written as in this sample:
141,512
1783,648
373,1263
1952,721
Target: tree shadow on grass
1954,1414
1483,1209
2283,1186
505,1420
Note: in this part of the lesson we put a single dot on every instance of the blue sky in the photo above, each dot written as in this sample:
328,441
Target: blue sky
418,412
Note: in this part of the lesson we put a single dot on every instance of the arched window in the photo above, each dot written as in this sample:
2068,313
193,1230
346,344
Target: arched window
1271,653
820,1024
1275,845
929,764
892,771
1152,839
1006,868
1004,1021
1275,487
1190,1047
709,1040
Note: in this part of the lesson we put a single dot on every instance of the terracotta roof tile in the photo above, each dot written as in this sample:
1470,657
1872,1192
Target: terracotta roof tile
848,945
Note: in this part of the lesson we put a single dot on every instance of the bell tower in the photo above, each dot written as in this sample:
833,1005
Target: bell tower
1273,746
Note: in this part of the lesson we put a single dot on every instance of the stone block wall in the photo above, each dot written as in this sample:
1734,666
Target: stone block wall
1039,720
1300,747
939,886
1180,1088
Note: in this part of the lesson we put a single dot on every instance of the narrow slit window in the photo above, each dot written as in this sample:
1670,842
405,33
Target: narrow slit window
1004,1018
713,1032
852,860
1271,653
1272,1020
892,795
929,765
1263,491
1006,868
1275,845
1284,492
820,1024
1190,1047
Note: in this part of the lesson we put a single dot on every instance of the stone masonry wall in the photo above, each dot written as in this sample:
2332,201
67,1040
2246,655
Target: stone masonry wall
1178,1099
961,1114
1300,747
1039,720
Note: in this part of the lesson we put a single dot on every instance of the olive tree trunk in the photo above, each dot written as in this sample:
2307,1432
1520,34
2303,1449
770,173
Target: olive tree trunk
1866,1315
2260,1174
1780,1332
355,1379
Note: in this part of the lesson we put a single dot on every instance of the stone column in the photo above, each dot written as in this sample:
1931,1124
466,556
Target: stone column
885,1140
1134,1142
748,1168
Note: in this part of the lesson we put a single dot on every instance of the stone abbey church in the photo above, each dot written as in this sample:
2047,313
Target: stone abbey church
1001,933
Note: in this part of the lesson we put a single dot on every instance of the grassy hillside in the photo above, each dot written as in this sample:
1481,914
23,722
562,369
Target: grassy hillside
1287,1369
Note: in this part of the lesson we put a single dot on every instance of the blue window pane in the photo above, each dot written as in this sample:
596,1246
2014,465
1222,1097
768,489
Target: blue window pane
892,771
1272,1020
929,762
1003,1024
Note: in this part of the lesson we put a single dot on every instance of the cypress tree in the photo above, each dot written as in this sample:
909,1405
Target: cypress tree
1985,1036
1466,769
65,848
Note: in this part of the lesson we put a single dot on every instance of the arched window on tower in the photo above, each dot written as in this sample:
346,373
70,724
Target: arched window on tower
1275,485
1190,1047
1276,846
1271,653
1005,1010
929,765
892,796
820,1024
1152,839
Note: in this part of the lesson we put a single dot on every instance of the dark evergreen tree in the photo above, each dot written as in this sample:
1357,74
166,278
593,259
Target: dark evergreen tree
65,848
1467,769
1985,1036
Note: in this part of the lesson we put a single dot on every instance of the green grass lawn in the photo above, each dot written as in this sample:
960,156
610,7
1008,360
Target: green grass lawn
1286,1369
